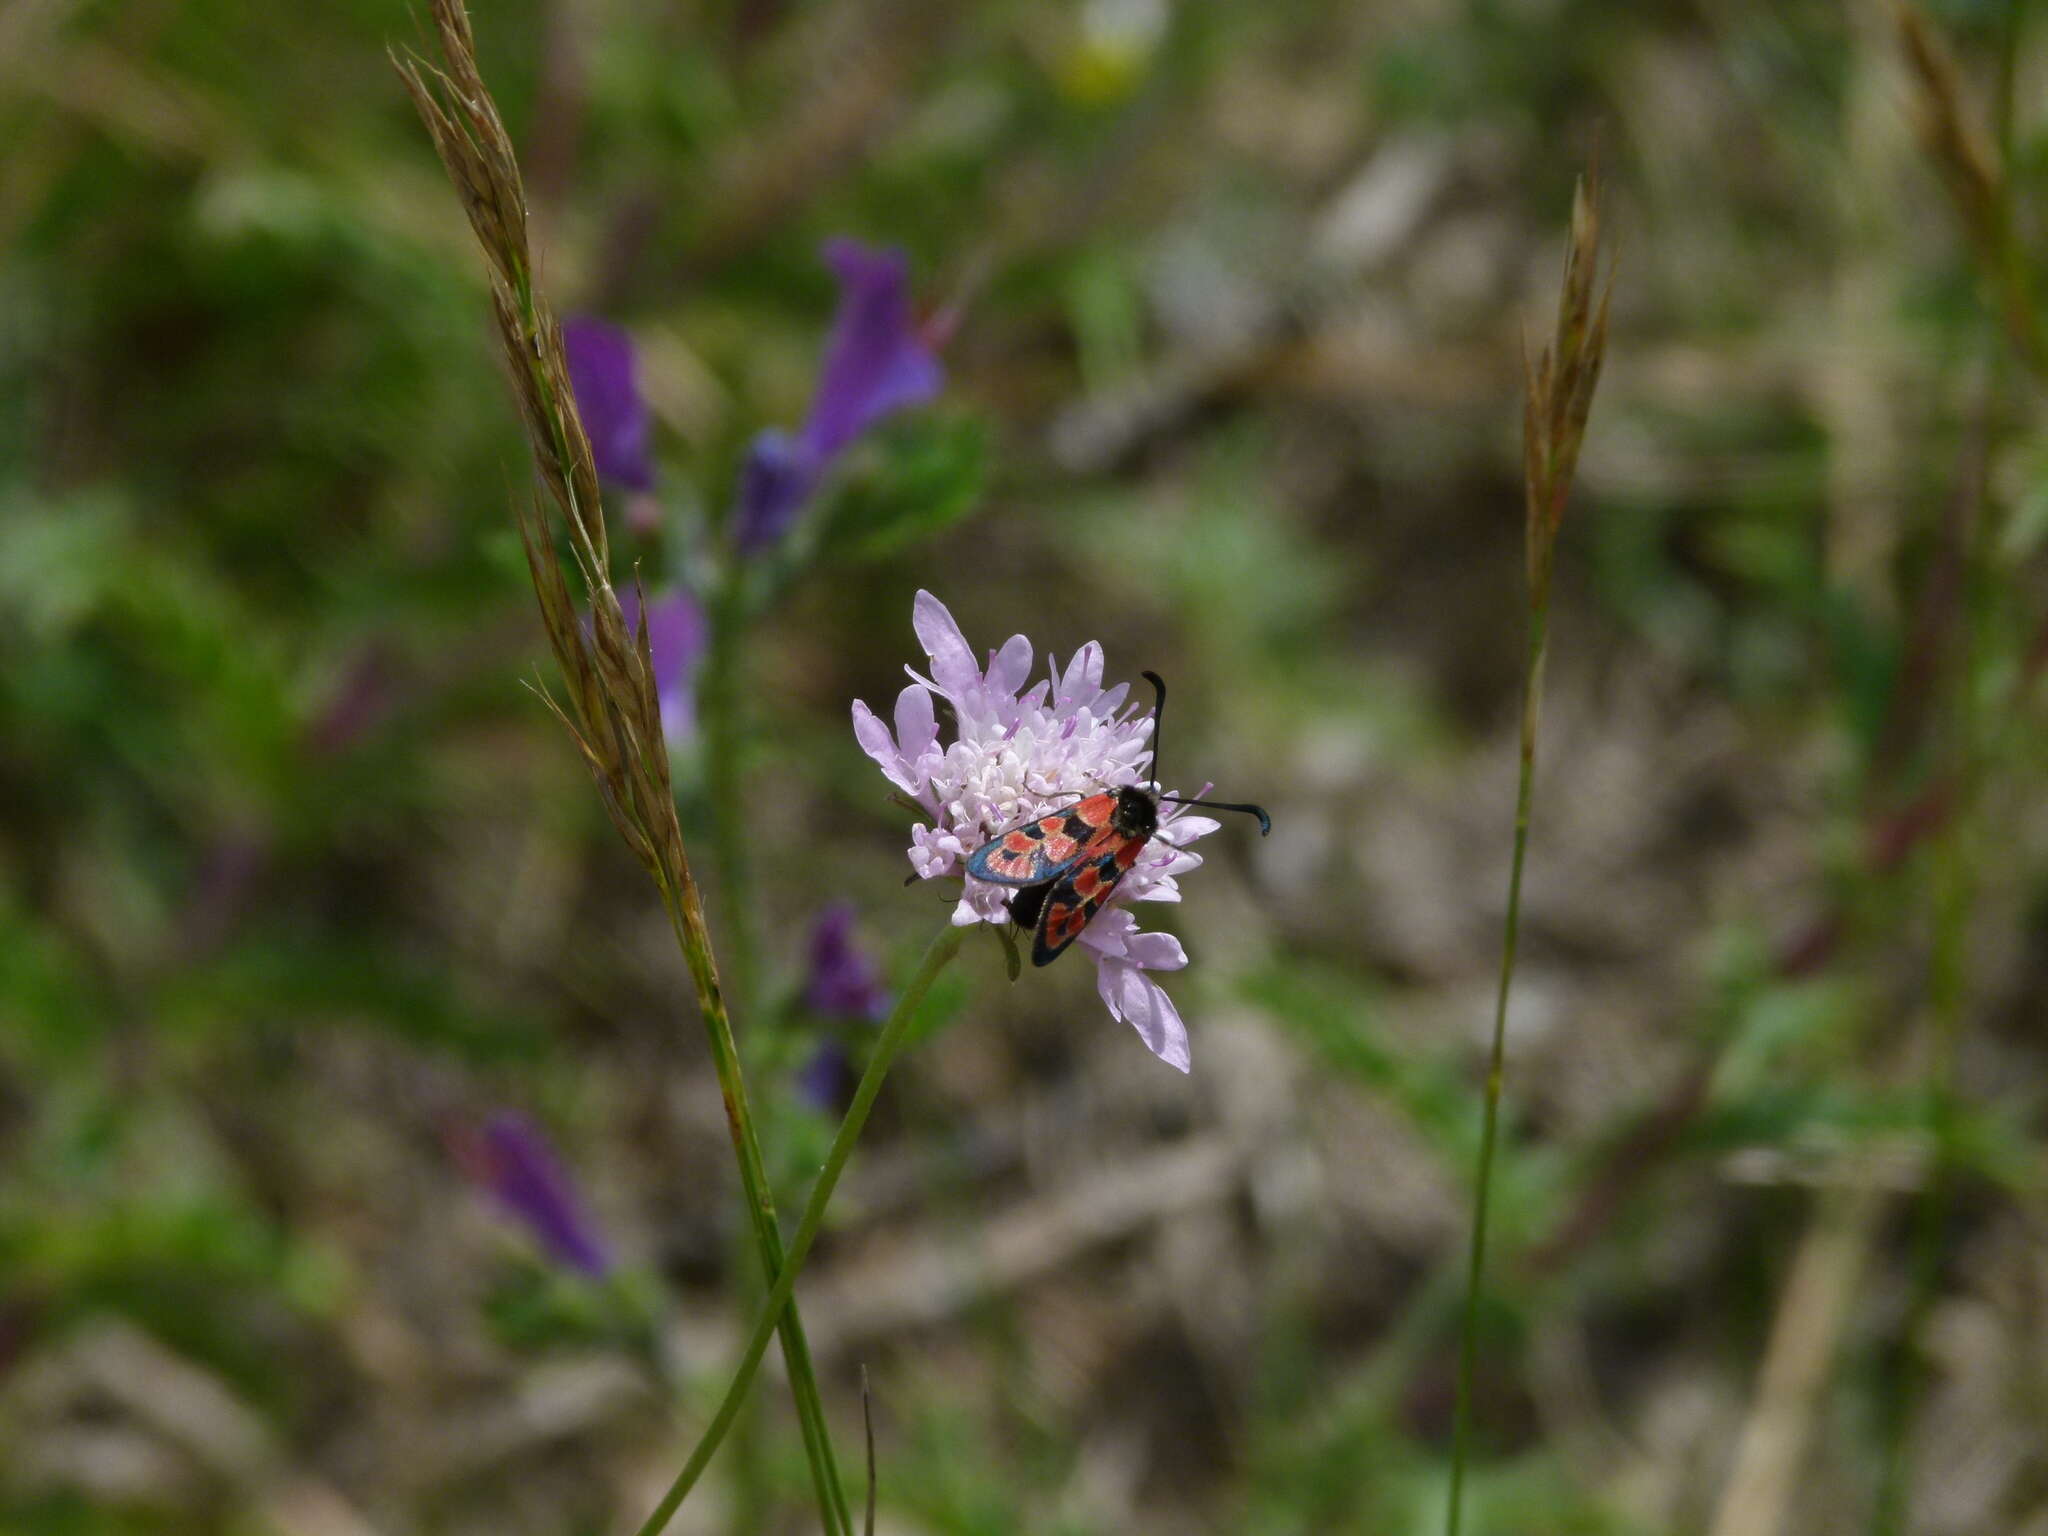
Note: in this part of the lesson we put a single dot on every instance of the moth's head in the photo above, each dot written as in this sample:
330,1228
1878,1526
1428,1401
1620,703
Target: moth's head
1137,811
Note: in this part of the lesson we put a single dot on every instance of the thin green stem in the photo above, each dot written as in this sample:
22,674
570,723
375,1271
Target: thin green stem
760,1200
723,732
810,1409
894,1033
1468,1343
2014,274
723,694
1954,863
1953,886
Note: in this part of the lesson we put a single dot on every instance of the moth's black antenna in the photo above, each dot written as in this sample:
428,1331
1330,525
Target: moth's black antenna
1265,821
1159,686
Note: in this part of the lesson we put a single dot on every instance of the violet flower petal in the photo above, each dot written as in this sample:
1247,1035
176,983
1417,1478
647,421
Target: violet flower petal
1010,666
827,1080
875,740
530,1182
876,362
1081,684
1142,1003
952,659
604,374
1155,951
1163,870
844,982
776,480
917,724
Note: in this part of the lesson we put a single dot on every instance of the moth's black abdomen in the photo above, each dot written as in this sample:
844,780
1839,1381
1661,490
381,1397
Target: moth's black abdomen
1027,904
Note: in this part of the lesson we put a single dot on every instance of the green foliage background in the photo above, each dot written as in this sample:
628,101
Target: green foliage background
297,881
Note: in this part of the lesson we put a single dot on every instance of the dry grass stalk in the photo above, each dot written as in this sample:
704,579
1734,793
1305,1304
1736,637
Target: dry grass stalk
1792,1382
1554,413
613,712
1560,384
1955,140
1975,173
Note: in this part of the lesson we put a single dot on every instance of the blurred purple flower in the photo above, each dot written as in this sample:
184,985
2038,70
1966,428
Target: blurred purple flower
776,480
604,373
876,362
676,638
845,982
512,1159
826,1082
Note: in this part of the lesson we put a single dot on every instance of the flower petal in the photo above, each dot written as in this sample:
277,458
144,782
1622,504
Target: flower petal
1179,831
1179,863
953,667
917,727
1010,666
776,480
1081,683
1109,933
826,1082
876,362
1155,952
844,982
1142,1003
933,851
515,1161
604,377
875,740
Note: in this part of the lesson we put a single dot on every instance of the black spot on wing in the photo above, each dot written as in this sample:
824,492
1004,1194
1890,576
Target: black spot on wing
1061,902
1020,857
1043,948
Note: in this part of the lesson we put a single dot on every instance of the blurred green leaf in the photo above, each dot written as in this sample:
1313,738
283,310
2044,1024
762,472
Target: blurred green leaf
917,478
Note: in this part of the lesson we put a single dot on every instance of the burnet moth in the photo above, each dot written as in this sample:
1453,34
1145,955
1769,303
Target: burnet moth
1065,864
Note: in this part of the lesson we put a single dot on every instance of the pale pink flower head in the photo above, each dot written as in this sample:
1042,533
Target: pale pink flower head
1016,755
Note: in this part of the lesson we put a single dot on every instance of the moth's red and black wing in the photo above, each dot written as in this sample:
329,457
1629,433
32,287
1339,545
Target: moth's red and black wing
1044,849
1077,895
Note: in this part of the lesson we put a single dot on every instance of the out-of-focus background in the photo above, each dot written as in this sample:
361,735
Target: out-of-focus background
311,926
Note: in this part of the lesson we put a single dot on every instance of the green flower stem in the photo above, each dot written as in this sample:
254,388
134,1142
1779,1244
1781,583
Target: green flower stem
723,734
894,1033
803,1382
1468,1344
760,1200
725,781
